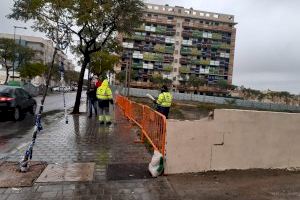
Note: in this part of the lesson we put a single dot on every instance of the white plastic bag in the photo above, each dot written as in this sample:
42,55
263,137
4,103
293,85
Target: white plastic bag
156,165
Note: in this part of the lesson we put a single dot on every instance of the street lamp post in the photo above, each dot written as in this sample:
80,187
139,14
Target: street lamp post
15,27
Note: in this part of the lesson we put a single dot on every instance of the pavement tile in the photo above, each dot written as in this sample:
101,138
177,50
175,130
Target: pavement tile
83,140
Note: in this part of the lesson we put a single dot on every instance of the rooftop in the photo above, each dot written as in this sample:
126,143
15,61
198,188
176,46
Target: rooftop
190,13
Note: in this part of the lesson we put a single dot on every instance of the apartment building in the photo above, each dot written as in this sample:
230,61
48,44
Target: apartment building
176,43
43,49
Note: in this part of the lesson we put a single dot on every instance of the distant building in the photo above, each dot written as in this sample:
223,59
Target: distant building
176,42
43,51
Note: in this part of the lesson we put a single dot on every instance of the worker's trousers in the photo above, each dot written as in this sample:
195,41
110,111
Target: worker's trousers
104,115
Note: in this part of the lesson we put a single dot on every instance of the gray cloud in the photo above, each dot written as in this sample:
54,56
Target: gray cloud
267,45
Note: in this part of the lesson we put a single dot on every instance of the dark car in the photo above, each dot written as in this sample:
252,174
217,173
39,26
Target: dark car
15,101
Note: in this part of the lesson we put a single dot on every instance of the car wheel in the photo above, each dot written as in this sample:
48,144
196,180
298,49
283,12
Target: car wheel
16,114
32,109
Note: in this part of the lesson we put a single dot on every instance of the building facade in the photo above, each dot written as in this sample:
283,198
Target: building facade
43,51
177,43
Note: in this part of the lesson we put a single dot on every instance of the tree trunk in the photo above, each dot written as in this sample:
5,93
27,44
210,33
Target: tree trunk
48,81
7,75
80,84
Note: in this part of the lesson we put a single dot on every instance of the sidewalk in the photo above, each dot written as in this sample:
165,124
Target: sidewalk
114,152
84,140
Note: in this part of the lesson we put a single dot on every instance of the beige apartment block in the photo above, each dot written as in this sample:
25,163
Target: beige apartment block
43,49
177,43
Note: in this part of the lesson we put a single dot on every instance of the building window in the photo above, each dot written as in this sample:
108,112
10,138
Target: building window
176,61
170,17
216,16
194,13
149,15
187,20
178,24
174,69
179,11
201,14
156,8
149,7
177,42
170,9
207,15
176,51
177,33
174,78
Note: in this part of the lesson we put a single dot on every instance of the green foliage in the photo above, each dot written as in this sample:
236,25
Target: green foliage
157,79
24,55
222,84
93,23
10,52
160,81
102,62
31,70
71,76
195,81
7,47
121,76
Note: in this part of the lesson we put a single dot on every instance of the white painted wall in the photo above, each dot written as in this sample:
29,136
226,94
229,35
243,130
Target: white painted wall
235,139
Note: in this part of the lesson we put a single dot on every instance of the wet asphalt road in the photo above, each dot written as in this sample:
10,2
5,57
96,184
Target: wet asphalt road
14,134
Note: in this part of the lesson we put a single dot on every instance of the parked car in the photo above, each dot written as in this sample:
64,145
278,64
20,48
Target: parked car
61,89
16,102
55,89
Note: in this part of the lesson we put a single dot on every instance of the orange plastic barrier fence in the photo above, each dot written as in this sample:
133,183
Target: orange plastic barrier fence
152,123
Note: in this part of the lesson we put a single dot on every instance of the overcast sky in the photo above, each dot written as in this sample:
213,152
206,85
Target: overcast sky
267,54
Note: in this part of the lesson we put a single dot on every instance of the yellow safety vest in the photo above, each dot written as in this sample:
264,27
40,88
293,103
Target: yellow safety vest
104,92
165,99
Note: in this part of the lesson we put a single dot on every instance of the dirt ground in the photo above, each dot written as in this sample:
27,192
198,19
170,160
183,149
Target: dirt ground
180,110
238,185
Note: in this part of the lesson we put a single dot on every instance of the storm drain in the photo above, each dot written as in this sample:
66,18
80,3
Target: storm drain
127,171
68,172
11,177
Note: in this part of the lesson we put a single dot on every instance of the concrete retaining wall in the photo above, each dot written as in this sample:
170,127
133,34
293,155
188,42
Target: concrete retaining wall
235,139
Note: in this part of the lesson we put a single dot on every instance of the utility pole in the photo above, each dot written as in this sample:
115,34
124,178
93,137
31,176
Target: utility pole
129,74
15,27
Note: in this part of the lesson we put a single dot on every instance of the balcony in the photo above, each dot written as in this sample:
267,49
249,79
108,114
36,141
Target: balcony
138,37
159,21
225,46
183,61
217,36
168,58
153,57
161,29
184,70
159,48
223,28
167,68
197,34
190,51
200,62
137,65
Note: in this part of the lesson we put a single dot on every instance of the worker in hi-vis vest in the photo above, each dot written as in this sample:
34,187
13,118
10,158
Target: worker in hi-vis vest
164,101
104,96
